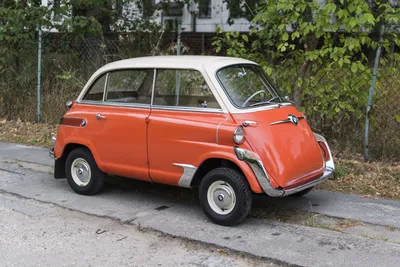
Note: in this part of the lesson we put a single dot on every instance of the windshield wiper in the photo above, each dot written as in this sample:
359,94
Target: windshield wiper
266,102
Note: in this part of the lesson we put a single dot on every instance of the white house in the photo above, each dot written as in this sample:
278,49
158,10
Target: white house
217,16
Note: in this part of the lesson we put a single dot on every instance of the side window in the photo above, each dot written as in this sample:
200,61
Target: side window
130,86
96,91
184,88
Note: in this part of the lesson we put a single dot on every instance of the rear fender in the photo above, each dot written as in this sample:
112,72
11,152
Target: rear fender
60,154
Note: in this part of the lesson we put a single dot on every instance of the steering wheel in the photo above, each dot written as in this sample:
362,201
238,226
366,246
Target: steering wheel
252,96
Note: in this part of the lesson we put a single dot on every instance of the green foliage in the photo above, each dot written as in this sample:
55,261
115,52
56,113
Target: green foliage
310,43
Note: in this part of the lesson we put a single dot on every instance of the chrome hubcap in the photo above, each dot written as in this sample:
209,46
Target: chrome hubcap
81,172
221,197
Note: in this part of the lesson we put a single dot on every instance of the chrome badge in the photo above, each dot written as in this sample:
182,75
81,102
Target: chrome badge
293,119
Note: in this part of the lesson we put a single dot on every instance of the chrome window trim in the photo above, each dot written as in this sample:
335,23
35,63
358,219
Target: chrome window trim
127,69
234,110
183,108
153,88
269,85
114,104
210,77
230,107
88,87
105,90
191,109
93,78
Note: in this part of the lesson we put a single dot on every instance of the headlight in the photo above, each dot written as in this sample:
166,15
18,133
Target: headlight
53,139
238,135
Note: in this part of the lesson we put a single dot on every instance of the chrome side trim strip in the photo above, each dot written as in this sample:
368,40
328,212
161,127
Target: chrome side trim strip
255,163
188,174
218,130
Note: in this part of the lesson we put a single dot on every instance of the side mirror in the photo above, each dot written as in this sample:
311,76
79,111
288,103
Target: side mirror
287,98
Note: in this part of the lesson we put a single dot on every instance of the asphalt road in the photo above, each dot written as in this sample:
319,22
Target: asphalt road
39,234
175,212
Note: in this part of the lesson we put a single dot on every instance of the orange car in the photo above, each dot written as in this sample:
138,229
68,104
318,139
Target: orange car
215,124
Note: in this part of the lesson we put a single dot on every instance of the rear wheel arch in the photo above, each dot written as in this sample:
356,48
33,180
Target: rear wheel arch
59,171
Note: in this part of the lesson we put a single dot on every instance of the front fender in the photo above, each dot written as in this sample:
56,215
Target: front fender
228,153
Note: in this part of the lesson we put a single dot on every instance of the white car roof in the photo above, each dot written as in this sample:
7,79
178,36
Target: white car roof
205,64
173,61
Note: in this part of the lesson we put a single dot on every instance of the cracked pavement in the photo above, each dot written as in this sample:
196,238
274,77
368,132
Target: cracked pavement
174,212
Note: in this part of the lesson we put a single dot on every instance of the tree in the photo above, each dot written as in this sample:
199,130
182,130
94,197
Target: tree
18,23
317,36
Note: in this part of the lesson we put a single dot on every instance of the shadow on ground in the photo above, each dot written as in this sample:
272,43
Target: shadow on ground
264,207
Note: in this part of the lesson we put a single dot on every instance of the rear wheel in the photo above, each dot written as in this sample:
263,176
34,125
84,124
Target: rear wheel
83,175
225,196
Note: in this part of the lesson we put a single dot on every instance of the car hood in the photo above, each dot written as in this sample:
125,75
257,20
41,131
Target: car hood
289,151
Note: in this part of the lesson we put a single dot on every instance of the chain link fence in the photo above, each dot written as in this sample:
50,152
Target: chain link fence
335,101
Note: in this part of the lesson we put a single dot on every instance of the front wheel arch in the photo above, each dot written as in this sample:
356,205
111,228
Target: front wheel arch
217,162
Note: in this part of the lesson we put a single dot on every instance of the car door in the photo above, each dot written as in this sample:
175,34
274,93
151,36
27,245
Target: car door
182,125
120,139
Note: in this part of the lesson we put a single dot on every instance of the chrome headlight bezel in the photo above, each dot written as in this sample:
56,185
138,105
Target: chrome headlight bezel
53,139
238,135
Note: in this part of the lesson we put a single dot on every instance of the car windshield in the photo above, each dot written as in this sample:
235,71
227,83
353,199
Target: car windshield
248,86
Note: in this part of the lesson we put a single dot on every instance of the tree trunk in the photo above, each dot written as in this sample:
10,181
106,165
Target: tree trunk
298,89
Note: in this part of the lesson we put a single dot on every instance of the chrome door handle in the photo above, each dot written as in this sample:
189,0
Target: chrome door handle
250,123
99,116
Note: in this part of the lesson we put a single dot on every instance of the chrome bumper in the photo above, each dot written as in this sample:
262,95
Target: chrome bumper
257,166
51,153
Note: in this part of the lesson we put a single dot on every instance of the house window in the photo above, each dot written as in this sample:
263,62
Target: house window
205,9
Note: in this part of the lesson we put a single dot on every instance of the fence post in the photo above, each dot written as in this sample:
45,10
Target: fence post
39,72
202,43
177,75
371,92
178,42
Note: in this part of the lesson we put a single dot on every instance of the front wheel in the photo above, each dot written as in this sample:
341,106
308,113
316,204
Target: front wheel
225,196
83,175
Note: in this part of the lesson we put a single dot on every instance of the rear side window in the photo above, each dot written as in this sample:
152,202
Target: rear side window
96,91
130,86
183,88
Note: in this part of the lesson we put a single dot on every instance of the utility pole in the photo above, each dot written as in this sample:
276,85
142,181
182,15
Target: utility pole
371,91
39,72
